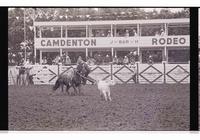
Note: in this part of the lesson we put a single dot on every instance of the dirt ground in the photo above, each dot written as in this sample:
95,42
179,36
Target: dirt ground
134,107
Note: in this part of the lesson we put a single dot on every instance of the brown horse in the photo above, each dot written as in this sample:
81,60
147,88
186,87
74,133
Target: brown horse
73,78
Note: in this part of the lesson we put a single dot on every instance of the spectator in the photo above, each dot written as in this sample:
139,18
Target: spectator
127,33
22,62
98,59
49,61
102,35
79,60
157,34
150,59
134,33
44,61
67,60
109,34
117,34
120,61
107,59
115,60
162,33
56,60
133,57
125,61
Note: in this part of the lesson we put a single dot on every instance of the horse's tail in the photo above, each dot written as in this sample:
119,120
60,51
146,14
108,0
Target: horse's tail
57,84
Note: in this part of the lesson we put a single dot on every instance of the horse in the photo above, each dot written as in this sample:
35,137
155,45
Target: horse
73,78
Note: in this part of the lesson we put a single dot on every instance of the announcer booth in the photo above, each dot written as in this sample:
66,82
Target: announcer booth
164,39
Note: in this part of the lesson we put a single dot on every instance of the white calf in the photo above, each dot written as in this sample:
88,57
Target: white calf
104,88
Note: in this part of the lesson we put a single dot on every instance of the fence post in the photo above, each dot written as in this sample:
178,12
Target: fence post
111,71
58,70
137,74
164,64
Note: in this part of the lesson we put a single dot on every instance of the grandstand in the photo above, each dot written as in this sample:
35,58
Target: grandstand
164,39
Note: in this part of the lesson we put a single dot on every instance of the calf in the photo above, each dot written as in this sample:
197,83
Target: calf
104,88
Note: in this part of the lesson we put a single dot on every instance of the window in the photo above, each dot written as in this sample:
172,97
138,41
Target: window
126,30
76,33
178,29
51,32
151,30
178,56
156,56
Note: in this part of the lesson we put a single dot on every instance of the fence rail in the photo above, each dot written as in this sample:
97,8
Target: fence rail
144,73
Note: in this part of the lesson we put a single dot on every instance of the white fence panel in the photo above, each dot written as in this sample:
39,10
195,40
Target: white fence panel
177,73
45,74
123,73
100,72
151,73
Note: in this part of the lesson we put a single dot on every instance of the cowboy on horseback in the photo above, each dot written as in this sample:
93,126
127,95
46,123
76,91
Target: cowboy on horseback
84,67
74,77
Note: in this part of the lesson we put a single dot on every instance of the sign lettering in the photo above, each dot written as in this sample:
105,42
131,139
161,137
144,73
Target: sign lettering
68,42
168,41
113,42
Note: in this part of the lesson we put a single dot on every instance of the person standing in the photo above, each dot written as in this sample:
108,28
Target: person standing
126,60
135,33
162,32
127,33
68,60
80,60
115,60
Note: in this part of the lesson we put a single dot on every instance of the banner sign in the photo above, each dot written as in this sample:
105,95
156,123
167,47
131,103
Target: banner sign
115,42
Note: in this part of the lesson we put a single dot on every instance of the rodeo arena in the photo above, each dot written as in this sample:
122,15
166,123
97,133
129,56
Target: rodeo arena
131,74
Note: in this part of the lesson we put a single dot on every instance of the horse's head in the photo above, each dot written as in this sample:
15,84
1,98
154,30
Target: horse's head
84,70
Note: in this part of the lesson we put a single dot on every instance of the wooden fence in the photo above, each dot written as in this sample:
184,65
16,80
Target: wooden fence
122,74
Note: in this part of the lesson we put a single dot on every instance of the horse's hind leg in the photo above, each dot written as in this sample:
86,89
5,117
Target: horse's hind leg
62,86
67,89
79,90
17,79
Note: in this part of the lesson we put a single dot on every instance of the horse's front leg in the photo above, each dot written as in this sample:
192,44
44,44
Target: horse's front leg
79,90
75,90
21,80
18,79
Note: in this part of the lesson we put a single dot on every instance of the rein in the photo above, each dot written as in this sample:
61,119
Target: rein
89,79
